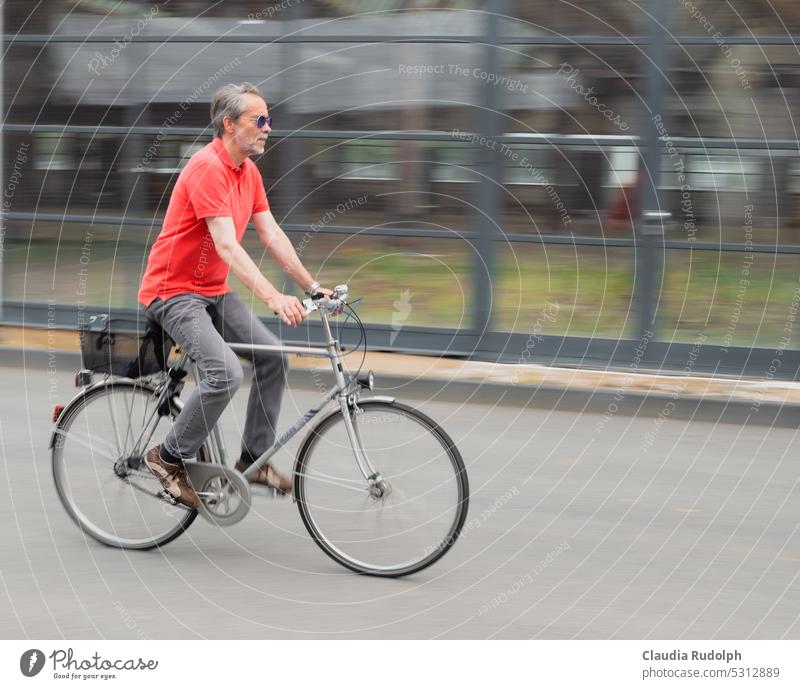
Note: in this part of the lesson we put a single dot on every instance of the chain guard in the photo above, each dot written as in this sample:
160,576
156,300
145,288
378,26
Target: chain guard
235,500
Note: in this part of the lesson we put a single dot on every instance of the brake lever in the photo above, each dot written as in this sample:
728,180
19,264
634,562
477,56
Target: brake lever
310,306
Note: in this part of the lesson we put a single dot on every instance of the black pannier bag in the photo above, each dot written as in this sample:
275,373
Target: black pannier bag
114,345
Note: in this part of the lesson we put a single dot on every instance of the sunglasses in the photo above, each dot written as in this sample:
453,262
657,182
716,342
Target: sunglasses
261,121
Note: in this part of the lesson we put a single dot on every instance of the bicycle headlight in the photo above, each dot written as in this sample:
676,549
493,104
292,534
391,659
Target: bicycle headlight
367,381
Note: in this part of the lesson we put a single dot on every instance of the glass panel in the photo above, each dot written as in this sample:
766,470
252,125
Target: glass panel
18,169
165,85
54,152
171,80
87,173
742,92
576,90
403,281
365,183
745,94
20,16
73,264
562,17
374,182
584,190
308,86
406,87
740,18
402,17
747,196
390,17
565,290
583,187
734,298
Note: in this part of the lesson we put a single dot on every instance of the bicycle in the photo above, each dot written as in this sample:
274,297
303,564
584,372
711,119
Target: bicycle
380,487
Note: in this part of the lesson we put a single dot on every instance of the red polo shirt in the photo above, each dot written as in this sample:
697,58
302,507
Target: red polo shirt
183,258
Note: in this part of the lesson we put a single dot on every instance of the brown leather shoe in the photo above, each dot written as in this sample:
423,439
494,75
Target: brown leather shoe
268,476
173,478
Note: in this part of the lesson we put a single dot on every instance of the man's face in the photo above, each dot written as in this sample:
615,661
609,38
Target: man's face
248,137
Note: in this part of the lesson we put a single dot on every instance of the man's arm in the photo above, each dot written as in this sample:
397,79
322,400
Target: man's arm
280,248
233,255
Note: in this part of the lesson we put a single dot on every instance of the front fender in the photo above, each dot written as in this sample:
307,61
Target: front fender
377,398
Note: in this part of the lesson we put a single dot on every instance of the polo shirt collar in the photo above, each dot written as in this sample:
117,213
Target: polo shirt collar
219,148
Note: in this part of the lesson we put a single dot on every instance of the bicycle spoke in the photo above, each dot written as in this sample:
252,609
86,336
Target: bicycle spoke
154,494
88,445
129,429
147,428
113,414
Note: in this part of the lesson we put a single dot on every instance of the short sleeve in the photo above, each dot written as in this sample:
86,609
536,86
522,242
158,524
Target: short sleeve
260,202
210,192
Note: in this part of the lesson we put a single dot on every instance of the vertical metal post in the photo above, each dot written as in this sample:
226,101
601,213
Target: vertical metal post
132,189
489,207
290,153
3,230
650,221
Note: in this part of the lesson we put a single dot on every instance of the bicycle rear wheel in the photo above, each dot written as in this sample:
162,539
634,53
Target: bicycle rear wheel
407,517
99,471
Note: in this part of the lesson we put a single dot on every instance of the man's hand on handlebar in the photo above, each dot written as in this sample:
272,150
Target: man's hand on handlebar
323,291
288,308
331,301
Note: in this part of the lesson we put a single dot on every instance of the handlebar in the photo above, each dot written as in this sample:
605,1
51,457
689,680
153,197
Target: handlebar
333,306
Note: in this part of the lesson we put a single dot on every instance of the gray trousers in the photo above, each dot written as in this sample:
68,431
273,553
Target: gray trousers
202,326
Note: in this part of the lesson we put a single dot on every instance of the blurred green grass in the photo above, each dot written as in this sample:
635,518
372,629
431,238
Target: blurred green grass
431,284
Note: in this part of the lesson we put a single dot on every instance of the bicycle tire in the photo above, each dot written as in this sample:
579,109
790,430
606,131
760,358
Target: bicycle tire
72,414
407,469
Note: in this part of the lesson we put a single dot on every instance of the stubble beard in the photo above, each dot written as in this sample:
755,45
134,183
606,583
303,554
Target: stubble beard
250,146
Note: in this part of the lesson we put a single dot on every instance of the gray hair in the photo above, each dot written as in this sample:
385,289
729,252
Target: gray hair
229,101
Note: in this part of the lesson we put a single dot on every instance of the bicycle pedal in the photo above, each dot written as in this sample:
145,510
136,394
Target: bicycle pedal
265,491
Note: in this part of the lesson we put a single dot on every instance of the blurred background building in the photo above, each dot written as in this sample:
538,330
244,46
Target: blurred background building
479,171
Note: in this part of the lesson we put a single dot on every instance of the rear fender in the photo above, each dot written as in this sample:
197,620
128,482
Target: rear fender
76,401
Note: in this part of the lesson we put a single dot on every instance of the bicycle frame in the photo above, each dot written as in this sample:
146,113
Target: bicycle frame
331,351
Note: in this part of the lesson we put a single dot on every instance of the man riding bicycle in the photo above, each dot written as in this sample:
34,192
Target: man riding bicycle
185,290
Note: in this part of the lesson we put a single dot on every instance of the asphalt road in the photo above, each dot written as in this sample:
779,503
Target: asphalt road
579,527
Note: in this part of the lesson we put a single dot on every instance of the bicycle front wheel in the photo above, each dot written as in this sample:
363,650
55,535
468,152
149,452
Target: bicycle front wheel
98,466
408,515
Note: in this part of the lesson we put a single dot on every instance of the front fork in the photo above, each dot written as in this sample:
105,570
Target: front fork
378,486
348,403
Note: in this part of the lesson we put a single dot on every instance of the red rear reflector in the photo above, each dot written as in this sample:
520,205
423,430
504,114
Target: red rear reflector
57,412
